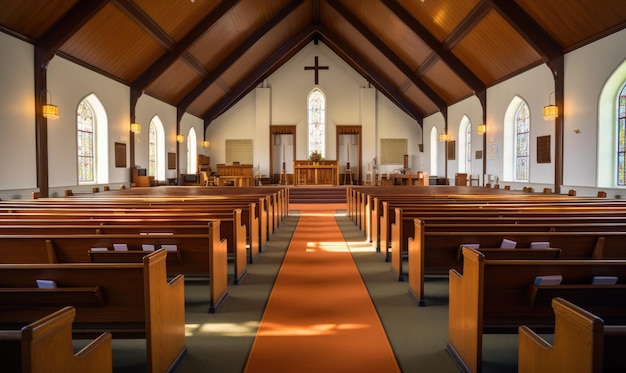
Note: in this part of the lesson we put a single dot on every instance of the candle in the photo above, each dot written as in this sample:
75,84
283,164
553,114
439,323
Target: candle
348,152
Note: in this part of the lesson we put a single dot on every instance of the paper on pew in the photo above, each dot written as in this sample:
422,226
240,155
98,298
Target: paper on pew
470,245
508,244
539,245
147,247
604,280
46,284
548,280
170,247
120,247
99,249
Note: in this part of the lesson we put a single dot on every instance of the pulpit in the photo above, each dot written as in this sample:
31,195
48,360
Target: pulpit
325,172
235,174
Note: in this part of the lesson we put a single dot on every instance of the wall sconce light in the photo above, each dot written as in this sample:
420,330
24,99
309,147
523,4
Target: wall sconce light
443,137
49,111
135,128
551,111
180,138
205,143
482,129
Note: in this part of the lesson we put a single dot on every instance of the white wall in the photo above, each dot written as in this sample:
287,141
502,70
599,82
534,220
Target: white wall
17,116
349,100
281,100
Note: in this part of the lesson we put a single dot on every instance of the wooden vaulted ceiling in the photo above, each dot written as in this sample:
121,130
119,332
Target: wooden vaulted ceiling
202,56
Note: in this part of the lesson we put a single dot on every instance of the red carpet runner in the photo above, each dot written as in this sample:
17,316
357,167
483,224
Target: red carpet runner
319,317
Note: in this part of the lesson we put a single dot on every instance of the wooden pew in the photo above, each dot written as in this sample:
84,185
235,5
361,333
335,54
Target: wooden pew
498,296
438,252
103,212
129,300
232,231
583,343
195,254
45,346
520,213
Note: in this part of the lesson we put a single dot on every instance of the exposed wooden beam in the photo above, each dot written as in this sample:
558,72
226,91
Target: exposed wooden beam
237,53
134,12
389,53
530,30
163,63
469,22
271,64
353,58
468,76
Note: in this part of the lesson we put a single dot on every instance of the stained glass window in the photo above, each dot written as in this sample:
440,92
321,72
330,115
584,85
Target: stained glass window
152,151
621,136
317,122
522,142
86,143
468,149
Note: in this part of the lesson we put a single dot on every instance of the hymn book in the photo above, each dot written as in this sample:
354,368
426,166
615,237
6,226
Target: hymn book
548,280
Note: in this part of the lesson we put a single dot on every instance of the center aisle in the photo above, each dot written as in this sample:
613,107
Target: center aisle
319,316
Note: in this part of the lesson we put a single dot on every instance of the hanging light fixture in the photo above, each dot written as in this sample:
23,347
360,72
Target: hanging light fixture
49,111
135,128
205,143
180,138
481,129
551,111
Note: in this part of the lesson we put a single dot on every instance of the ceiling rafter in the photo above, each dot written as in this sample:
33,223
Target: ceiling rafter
181,48
271,64
469,22
389,53
353,58
134,12
237,53
471,79
68,24
530,30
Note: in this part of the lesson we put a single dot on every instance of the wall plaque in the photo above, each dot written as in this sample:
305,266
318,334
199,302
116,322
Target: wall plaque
392,151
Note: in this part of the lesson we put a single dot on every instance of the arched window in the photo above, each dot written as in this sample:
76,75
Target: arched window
156,151
468,148
152,150
92,151
465,145
192,151
610,140
621,136
434,140
522,143
317,122
85,122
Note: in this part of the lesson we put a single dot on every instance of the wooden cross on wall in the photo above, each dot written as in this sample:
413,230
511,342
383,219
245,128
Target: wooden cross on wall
317,68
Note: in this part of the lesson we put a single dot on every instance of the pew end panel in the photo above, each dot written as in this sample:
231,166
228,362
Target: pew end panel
397,253
165,315
465,322
45,346
239,247
218,260
582,343
416,263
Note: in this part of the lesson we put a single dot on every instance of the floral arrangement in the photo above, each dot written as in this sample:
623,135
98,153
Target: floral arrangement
315,156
